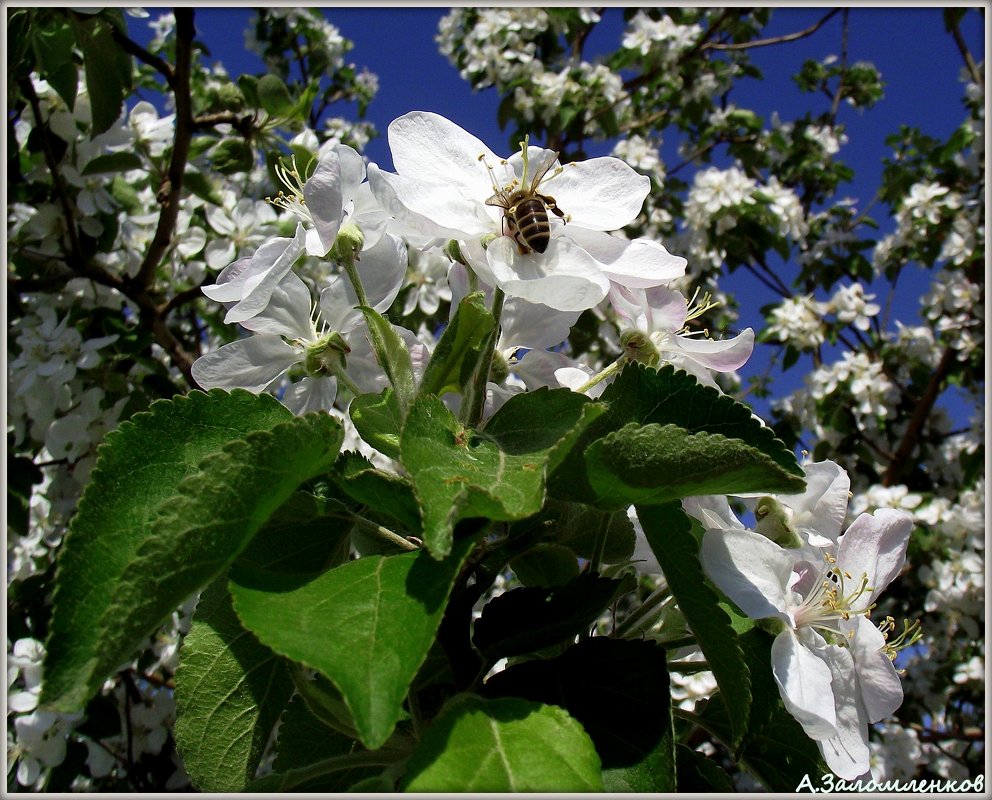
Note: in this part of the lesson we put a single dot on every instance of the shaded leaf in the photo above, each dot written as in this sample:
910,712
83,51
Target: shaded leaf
668,531
230,690
378,420
617,688
459,349
367,625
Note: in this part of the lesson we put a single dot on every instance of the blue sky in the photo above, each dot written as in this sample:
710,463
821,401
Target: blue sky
918,61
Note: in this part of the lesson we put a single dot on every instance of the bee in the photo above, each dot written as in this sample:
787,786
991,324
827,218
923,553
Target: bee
526,216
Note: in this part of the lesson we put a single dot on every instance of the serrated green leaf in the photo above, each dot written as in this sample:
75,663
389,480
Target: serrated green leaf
668,531
198,535
699,773
366,625
666,397
617,689
498,474
138,468
652,464
503,745
378,421
274,96
459,349
230,691
552,614
383,492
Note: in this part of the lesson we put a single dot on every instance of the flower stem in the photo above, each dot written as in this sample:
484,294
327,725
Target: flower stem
636,622
601,537
383,533
475,402
603,375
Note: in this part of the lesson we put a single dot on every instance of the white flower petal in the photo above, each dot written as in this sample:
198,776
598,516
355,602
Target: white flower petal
325,202
750,569
311,394
261,284
603,194
429,147
251,363
565,277
338,303
881,688
846,753
822,508
636,263
804,683
288,311
382,269
533,325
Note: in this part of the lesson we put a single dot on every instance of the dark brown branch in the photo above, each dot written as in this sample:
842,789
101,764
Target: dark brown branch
181,299
171,188
976,74
786,37
916,422
133,48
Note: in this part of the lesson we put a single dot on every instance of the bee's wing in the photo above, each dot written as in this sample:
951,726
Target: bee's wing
498,199
541,163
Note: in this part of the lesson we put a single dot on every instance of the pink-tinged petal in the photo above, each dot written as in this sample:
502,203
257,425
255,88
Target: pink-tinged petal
251,363
428,147
636,263
325,202
259,286
724,355
750,569
288,311
881,688
666,309
804,683
603,194
564,278
875,545
846,753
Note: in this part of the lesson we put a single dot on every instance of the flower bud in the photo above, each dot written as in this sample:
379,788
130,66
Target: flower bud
772,521
499,371
637,346
348,244
326,356
454,252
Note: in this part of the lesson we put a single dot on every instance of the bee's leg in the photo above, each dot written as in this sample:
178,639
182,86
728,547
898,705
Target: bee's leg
552,206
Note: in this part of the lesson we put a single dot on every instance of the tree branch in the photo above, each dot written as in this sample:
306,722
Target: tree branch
787,37
133,48
922,410
171,188
976,74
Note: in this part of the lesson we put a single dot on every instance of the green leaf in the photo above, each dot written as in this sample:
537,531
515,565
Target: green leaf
652,464
617,688
378,421
274,96
668,531
460,473
230,691
139,466
175,495
395,361
545,564
551,615
200,185
699,773
666,397
305,740
459,349
53,46
383,492
113,162
108,71
231,156
503,745
367,625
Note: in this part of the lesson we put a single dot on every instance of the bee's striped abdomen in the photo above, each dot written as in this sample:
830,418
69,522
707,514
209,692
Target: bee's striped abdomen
530,218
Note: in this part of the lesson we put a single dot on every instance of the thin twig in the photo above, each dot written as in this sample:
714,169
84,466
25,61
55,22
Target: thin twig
139,52
786,37
976,74
170,191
